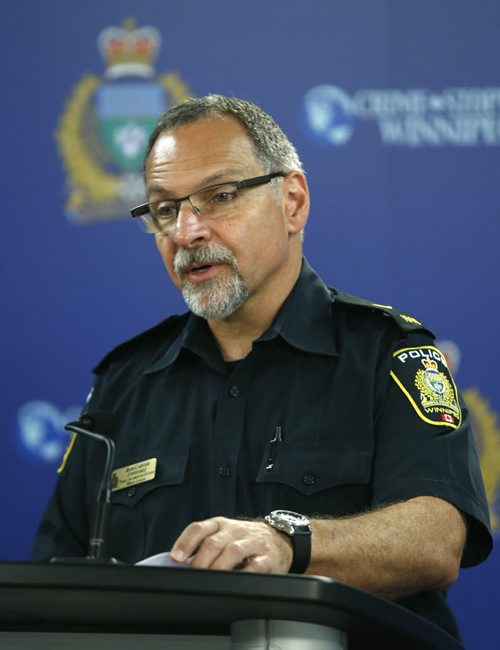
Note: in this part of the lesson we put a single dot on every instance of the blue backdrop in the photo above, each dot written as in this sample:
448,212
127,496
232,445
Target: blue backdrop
395,109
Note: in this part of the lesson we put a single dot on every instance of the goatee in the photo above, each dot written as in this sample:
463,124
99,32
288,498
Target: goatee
217,297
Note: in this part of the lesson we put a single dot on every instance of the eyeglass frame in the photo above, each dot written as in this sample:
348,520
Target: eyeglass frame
144,208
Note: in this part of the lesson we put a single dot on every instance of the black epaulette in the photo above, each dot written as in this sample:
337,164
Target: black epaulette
150,338
404,321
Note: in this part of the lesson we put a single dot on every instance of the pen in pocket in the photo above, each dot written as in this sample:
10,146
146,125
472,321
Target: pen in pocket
278,437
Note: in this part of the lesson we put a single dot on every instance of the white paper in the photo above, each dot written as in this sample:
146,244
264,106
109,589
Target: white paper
161,559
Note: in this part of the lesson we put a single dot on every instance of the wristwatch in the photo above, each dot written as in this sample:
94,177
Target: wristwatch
298,528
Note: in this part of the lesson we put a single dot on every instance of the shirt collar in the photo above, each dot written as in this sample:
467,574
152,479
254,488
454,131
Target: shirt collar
194,336
304,321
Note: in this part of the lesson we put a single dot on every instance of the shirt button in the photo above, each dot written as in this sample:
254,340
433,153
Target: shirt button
309,479
131,491
224,471
234,391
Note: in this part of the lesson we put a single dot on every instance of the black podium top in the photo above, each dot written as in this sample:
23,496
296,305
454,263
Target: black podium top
98,598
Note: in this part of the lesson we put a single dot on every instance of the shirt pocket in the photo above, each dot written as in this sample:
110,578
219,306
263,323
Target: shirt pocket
134,509
322,481
312,470
170,471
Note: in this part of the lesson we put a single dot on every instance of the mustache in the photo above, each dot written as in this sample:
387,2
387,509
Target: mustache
210,254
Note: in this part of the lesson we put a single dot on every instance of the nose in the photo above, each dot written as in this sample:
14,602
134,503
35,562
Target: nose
190,228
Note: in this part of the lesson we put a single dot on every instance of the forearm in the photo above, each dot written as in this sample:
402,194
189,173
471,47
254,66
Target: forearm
393,552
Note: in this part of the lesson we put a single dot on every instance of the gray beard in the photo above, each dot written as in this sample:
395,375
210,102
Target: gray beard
216,298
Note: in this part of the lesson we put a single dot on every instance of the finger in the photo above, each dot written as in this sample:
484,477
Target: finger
220,551
259,564
236,553
192,537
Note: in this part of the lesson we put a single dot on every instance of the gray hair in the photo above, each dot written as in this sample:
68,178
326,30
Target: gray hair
272,148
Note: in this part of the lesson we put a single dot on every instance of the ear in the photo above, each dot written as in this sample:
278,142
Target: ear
295,195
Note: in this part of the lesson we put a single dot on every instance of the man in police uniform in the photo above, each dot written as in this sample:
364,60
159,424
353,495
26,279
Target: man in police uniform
279,425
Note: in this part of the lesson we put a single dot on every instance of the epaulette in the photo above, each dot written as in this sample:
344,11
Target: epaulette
404,321
150,338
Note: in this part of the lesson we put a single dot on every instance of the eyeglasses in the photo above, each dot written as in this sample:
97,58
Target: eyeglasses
213,202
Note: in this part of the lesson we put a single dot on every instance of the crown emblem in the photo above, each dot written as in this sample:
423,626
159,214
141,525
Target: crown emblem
106,123
430,364
129,50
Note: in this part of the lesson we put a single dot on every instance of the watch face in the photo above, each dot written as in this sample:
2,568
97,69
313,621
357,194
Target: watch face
289,517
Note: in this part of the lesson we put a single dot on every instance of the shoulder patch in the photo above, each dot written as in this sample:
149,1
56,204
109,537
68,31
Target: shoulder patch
152,336
404,321
68,451
424,378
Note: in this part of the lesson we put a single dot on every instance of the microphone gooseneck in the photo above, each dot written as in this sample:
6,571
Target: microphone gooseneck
98,425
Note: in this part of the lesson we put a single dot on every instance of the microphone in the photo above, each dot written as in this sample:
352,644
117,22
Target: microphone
98,421
98,425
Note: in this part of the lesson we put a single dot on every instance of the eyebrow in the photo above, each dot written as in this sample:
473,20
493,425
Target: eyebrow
156,188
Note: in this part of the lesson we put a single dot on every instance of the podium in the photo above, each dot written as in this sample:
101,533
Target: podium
107,607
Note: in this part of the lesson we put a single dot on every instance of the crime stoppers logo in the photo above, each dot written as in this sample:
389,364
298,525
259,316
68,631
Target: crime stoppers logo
104,129
414,117
39,430
330,114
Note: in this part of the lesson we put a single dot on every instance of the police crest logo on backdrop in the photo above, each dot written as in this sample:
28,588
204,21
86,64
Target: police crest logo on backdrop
486,427
104,129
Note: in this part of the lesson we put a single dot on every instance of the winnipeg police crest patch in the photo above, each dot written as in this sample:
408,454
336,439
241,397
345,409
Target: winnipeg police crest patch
422,374
104,129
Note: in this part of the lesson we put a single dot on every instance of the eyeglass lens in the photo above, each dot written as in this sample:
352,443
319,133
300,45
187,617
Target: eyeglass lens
211,203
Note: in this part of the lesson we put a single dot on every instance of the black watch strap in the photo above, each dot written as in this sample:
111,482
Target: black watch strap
301,543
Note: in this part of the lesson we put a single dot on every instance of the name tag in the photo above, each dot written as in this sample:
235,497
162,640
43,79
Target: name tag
134,474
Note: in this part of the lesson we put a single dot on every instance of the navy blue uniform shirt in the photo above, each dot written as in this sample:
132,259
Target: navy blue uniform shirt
367,411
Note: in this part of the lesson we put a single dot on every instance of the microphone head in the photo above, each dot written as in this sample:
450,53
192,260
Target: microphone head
98,421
